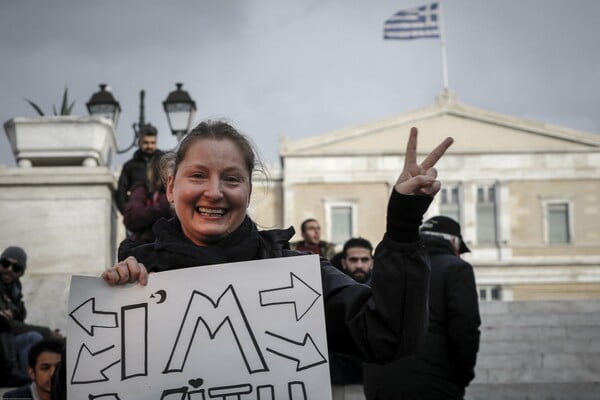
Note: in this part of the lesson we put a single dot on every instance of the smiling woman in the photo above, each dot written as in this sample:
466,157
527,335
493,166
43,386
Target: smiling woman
211,185
210,190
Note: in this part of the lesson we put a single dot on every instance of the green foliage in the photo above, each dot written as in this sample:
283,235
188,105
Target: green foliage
65,108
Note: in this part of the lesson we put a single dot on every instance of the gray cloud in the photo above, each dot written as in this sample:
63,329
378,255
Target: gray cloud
298,68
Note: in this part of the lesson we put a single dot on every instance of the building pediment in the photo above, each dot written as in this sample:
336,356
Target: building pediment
474,130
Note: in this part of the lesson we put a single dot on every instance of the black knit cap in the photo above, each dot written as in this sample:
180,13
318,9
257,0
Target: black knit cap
442,224
16,253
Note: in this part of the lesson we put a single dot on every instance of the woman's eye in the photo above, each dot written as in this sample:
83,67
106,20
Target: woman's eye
233,179
198,175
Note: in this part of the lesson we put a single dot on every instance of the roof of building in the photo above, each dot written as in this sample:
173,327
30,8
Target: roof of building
474,130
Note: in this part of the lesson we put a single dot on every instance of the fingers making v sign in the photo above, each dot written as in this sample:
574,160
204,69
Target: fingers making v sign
420,179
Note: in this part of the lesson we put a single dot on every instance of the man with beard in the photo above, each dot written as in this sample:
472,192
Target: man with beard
356,261
137,169
16,336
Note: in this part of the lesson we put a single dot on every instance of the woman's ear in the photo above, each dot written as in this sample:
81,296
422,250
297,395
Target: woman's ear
249,196
169,188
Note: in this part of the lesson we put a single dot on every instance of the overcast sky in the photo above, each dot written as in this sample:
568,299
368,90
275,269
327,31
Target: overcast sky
298,68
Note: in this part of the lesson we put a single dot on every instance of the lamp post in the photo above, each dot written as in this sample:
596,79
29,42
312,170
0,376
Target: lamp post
179,107
103,103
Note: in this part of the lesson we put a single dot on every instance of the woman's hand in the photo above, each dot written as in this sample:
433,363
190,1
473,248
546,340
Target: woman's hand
420,178
126,271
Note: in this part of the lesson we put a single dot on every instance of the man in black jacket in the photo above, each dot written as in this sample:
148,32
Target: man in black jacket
16,336
445,360
356,260
136,169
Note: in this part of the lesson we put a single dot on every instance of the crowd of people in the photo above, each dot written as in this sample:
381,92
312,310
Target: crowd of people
402,318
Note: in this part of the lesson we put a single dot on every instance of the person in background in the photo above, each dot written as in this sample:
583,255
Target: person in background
445,360
311,240
147,204
210,189
356,261
44,358
136,170
16,336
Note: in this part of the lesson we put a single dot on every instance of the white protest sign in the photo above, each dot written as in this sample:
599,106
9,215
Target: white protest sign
249,330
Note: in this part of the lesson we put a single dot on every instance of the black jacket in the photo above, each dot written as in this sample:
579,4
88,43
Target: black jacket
445,360
21,393
134,171
378,323
11,298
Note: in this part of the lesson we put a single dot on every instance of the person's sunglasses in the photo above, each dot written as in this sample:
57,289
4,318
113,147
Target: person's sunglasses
16,267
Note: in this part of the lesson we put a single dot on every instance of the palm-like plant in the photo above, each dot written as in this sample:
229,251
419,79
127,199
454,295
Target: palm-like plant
65,108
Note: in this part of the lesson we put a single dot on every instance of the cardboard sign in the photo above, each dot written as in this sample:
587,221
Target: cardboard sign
250,330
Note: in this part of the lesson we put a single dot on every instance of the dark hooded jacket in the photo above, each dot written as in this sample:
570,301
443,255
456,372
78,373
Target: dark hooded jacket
11,298
445,360
378,323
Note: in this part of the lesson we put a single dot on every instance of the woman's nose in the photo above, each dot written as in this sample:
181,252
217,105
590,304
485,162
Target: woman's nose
213,189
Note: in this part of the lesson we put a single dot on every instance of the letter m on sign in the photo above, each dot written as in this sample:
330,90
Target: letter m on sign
213,315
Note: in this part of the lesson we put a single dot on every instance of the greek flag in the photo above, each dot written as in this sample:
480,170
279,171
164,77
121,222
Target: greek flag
414,23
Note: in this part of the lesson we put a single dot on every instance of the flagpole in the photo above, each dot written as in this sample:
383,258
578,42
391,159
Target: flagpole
443,46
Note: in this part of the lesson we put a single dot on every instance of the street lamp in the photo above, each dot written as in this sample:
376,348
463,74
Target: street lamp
179,106
103,103
180,109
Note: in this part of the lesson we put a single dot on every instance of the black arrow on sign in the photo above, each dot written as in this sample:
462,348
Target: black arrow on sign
305,353
88,318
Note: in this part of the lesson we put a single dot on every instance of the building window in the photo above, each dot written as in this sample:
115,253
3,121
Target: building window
450,202
490,292
487,229
558,223
341,217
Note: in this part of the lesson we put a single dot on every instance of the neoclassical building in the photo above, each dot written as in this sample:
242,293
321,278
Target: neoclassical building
527,194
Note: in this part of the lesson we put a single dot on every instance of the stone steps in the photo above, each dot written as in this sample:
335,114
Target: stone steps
534,391
539,350
539,343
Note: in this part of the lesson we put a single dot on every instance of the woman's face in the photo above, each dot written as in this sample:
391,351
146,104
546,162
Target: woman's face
210,191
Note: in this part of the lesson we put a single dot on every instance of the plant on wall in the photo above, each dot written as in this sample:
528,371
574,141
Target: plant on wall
65,108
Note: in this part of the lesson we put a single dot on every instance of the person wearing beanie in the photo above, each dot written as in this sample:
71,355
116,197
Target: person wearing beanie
16,336
444,363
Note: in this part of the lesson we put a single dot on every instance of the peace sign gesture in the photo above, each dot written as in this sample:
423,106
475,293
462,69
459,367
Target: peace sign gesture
416,178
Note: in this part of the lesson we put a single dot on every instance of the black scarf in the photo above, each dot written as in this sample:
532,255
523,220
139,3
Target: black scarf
173,250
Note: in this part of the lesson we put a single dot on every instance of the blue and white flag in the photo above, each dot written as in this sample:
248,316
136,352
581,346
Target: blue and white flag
415,23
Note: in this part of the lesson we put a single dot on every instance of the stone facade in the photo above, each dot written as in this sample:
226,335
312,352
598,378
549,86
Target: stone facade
510,182
58,206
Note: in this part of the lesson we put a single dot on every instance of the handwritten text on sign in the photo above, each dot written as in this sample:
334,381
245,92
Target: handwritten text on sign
251,330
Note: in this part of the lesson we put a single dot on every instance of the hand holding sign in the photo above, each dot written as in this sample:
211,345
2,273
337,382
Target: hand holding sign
126,271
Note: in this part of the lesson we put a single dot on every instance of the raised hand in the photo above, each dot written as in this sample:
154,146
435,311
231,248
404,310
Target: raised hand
420,179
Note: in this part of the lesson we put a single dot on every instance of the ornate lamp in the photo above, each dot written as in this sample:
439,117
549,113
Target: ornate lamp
103,103
180,109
